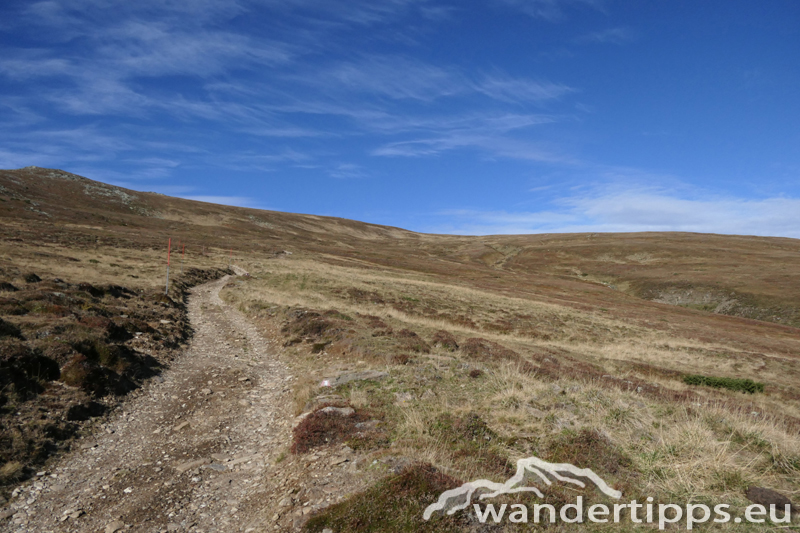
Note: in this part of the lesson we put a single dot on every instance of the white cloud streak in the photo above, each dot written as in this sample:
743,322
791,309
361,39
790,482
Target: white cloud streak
642,210
618,35
239,201
550,10
108,59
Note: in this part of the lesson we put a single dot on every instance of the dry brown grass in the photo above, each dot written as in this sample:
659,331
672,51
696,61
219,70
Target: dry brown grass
602,357
673,450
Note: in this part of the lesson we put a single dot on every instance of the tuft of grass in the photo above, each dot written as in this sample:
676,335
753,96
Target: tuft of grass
588,449
394,504
472,442
8,329
11,471
735,384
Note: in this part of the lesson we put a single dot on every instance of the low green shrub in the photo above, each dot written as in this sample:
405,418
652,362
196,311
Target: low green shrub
735,384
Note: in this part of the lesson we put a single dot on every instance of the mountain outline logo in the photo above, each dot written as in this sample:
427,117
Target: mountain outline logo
453,500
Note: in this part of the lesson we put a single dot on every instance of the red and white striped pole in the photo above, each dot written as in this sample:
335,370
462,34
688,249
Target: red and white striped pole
169,249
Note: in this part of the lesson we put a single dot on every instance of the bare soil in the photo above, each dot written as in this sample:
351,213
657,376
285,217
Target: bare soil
193,450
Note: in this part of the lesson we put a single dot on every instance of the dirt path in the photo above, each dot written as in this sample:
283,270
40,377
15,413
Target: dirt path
190,451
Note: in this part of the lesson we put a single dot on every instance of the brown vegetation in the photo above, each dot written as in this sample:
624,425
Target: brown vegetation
581,342
394,504
333,424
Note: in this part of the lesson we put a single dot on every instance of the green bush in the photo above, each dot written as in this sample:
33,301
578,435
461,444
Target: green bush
735,384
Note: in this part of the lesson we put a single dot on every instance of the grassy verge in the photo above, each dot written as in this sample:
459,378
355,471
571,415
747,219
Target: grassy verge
472,400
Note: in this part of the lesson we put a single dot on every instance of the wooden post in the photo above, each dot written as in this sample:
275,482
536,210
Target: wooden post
169,248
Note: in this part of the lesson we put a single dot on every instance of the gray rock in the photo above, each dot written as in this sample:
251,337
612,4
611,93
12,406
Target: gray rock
341,379
114,526
369,424
341,411
319,400
191,465
403,398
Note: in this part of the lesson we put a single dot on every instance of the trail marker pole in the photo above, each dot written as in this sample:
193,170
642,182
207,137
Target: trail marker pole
183,253
169,249
230,258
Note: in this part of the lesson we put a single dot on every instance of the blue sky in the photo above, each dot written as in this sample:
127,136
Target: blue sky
478,117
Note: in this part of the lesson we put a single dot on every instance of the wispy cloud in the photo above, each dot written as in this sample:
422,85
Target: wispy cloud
489,134
636,210
360,12
550,10
618,35
113,45
267,86
395,77
348,171
239,201
183,64
68,20
489,145
145,48
516,90
401,78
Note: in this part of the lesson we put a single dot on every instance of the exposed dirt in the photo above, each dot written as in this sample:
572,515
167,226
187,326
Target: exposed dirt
190,451
70,351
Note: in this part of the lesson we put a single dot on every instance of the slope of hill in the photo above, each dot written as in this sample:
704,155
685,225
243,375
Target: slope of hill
577,348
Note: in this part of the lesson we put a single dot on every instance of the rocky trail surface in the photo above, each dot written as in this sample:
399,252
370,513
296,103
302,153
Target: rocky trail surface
194,450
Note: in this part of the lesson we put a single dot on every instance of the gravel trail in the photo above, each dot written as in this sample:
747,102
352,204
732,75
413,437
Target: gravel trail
190,451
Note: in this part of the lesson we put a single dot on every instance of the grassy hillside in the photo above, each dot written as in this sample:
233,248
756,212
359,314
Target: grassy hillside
575,348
